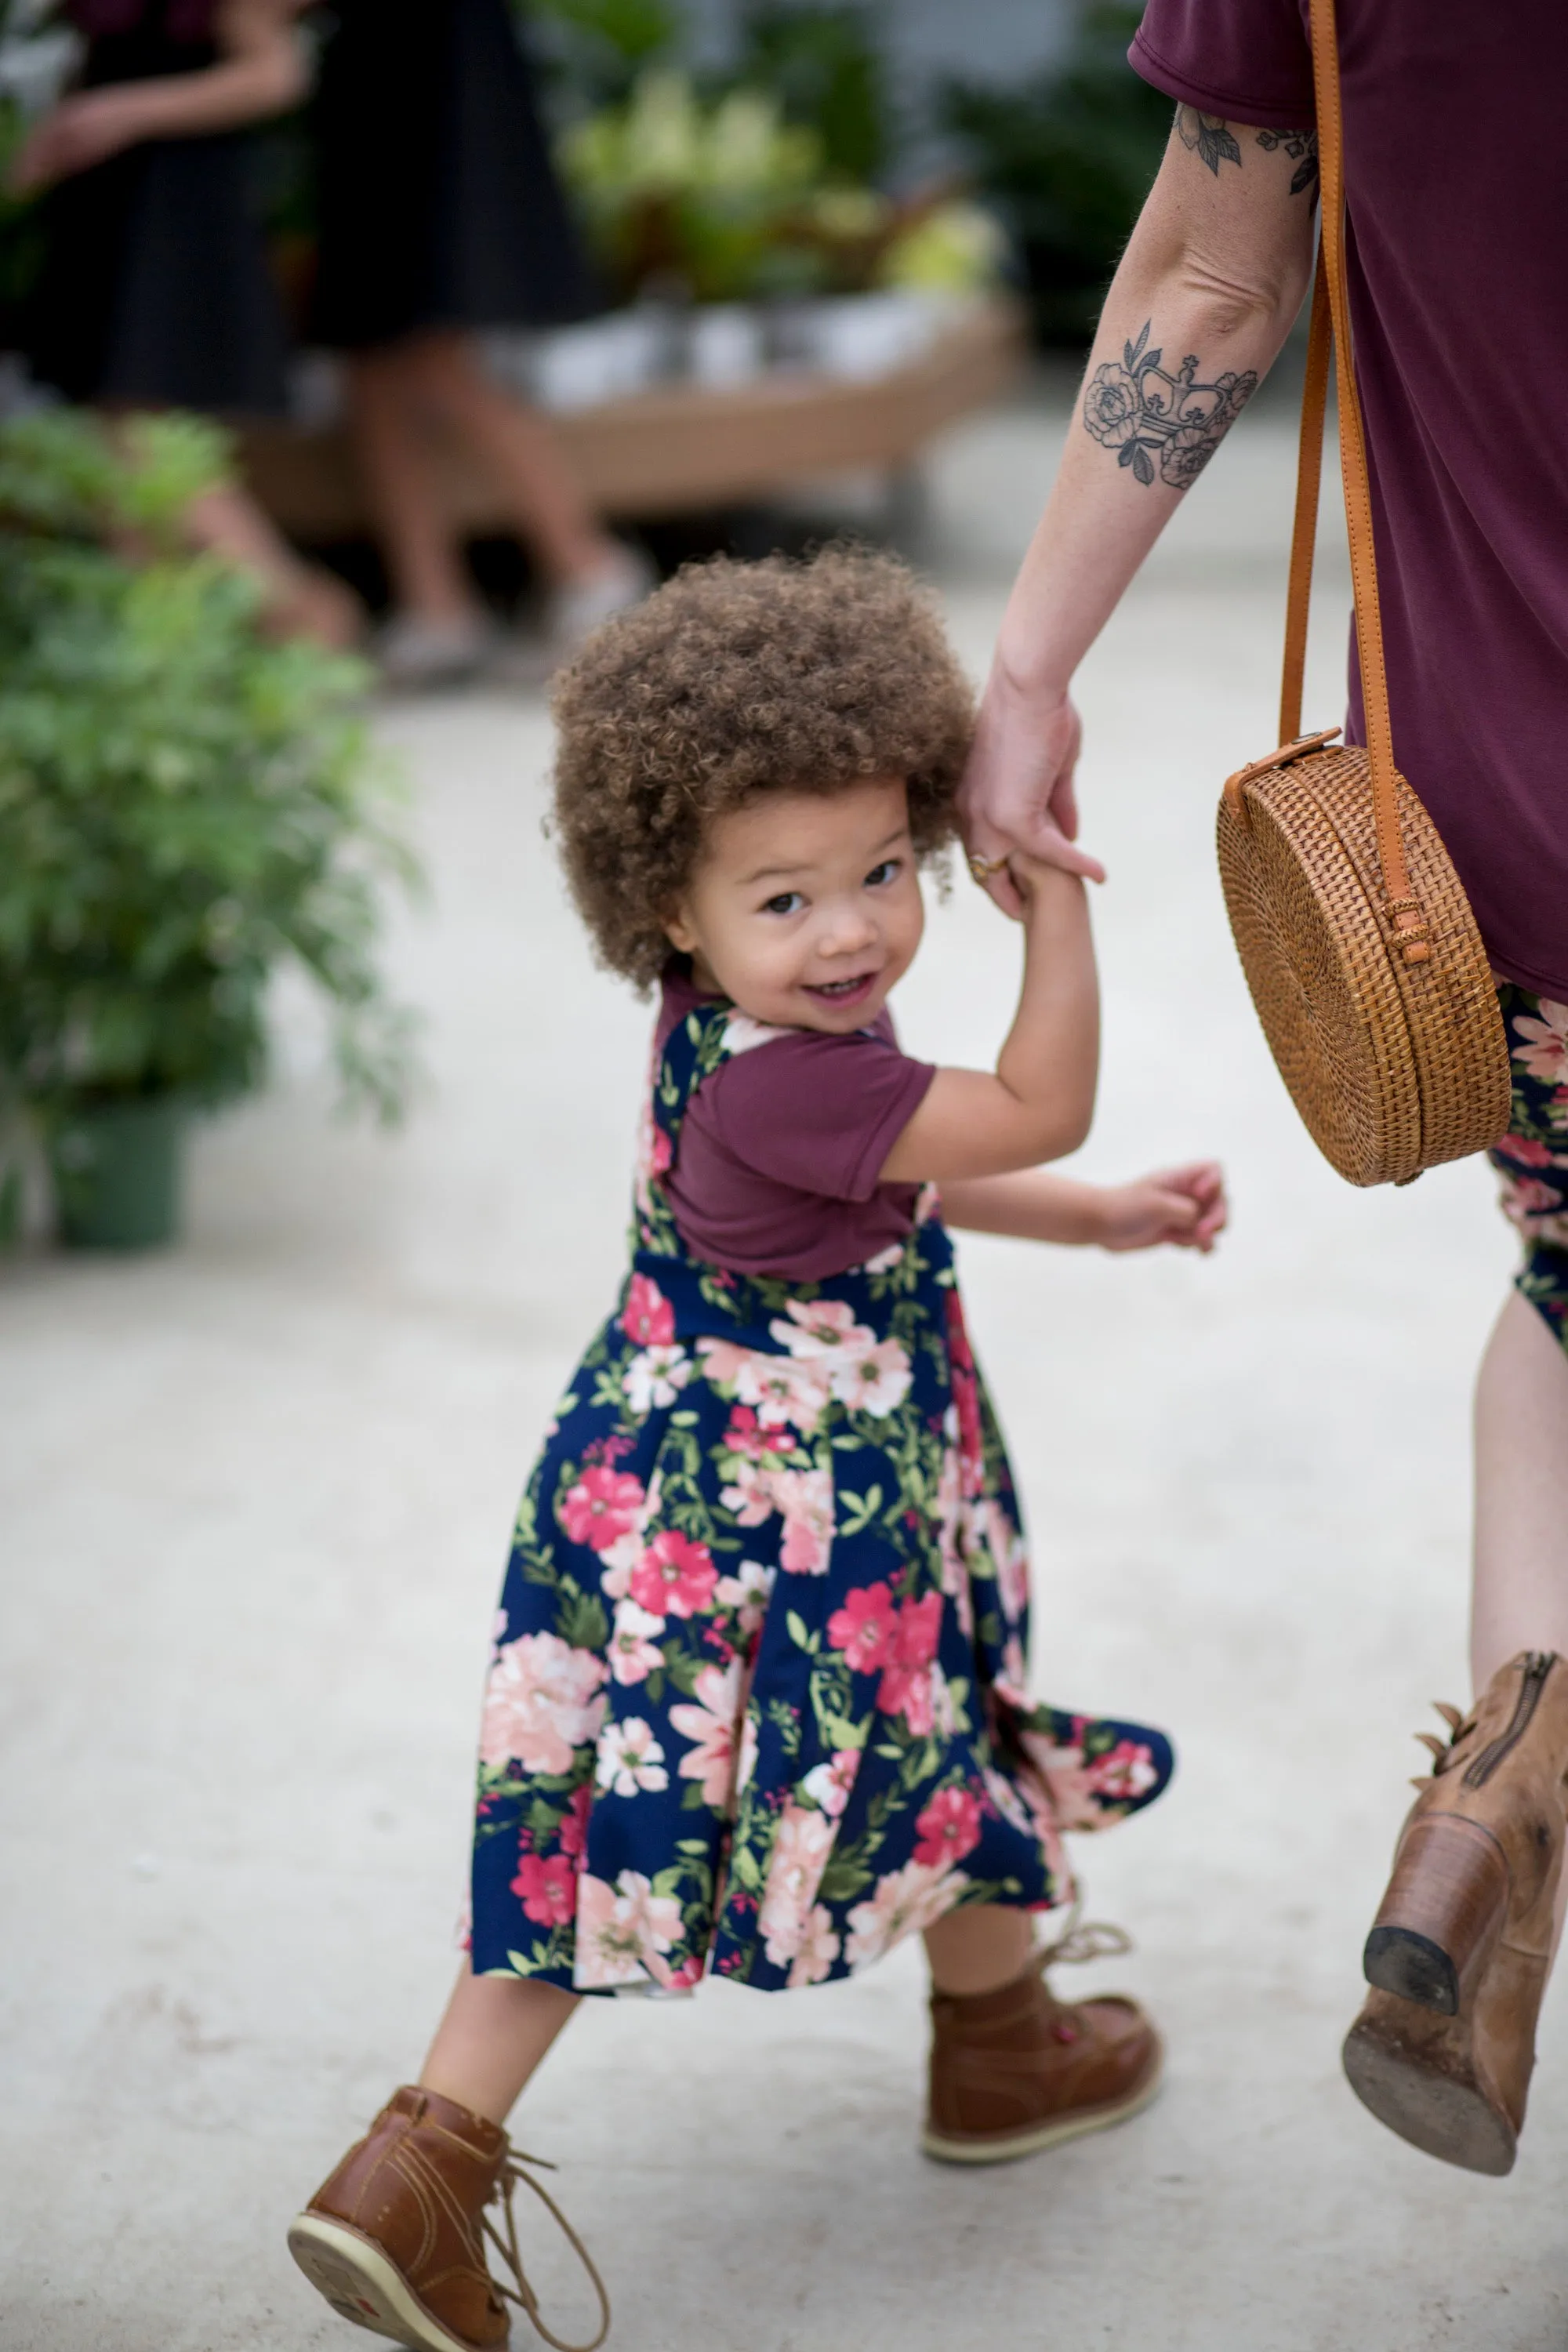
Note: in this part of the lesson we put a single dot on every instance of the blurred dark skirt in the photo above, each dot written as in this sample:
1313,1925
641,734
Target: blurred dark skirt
154,288
439,203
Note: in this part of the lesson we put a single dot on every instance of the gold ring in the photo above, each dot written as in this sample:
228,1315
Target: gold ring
982,868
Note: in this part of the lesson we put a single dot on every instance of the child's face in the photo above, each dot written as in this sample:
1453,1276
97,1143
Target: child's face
806,909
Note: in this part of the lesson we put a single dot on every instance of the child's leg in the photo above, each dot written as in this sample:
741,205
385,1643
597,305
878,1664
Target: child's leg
492,2037
1521,1599
975,1951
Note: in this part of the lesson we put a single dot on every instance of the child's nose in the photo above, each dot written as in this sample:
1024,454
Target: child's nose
853,927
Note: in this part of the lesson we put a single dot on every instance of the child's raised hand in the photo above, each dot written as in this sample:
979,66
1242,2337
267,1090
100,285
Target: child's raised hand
1183,1206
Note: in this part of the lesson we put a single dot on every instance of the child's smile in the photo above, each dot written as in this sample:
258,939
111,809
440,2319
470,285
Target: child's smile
806,908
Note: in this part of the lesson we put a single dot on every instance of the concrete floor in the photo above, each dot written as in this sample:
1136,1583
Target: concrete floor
256,1497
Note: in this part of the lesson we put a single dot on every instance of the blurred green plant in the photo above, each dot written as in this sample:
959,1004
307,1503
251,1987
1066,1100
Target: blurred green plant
827,66
596,48
726,200
1068,158
184,805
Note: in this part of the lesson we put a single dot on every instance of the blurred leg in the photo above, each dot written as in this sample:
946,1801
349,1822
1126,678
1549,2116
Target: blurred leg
1521,1599
304,599
428,576
979,1949
523,451
492,2037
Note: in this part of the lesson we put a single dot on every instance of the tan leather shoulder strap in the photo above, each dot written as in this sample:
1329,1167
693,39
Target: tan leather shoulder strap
1331,313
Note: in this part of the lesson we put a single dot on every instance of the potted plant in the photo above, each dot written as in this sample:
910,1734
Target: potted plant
184,807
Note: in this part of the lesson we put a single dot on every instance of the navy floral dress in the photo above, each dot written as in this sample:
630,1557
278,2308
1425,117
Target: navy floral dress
757,1698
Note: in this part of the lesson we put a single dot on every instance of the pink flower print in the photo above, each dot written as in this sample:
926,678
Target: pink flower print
548,1887
751,1497
660,1151
802,1844
542,1701
630,1759
1544,1055
748,1436
805,1499
823,1327
875,1382
633,1654
746,1593
1533,1154
622,1931
1529,1197
783,1391
1125,1772
906,1678
1004,1794
903,1903
647,1319
748,1763
601,1507
863,1628
712,1723
947,1828
829,1785
817,1948
675,1577
1010,1559
574,1822
1067,1782
1012,1684
655,1376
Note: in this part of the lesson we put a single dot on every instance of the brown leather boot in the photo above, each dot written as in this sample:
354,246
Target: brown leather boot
1016,2070
395,2238
1461,1948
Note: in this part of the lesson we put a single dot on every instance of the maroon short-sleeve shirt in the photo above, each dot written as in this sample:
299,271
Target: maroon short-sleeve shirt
1457,191
781,1148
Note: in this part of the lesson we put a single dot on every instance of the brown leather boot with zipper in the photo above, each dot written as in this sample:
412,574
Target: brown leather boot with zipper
1017,2069
1461,1948
396,2237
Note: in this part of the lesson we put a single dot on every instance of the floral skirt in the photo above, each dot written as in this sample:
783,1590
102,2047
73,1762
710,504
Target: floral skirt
1532,1157
756,1702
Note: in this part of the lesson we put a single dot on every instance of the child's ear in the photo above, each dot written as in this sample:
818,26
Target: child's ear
677,930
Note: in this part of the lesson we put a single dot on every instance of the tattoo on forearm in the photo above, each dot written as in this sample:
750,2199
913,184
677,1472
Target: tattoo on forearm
1151,417
1301,146
1209,136
1211,139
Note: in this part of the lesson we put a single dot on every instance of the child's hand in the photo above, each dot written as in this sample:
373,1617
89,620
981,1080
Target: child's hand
1183,1206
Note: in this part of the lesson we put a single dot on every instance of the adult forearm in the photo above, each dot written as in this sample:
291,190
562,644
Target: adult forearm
1183,341
221,97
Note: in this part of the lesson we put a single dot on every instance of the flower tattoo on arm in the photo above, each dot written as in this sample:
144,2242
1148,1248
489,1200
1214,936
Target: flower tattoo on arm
1301,146
1151,417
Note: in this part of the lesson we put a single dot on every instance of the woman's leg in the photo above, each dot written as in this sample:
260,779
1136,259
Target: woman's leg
302,599
1521,1599
551,512
430,579
976,1950
492,2037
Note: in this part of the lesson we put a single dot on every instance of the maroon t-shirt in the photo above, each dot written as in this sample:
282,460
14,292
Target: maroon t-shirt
1456,177
781,1146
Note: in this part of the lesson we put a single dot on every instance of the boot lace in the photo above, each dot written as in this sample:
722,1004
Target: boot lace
504,2240
1082,1940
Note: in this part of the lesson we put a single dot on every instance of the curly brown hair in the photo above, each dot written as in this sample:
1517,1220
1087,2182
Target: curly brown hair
735,679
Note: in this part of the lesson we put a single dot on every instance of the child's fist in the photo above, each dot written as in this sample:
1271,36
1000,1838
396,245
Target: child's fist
1183,1206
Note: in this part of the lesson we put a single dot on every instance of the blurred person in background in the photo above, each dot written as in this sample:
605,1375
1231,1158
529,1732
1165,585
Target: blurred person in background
1454,179
440,216
154,290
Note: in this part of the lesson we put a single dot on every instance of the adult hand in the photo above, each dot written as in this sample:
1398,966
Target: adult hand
81,132
1017,789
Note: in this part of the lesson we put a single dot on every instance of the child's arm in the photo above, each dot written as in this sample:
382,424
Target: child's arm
1184,1206
1040,1103
260,71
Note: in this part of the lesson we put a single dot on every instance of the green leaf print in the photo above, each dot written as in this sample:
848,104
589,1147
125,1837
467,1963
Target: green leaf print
843,1879
581,1617
839,1732
857,1511
800,1635
746,1869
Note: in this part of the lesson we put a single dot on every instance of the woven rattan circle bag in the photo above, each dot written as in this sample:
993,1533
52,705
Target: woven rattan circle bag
1358,943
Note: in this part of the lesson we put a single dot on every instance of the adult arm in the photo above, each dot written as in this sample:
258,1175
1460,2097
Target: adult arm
1212,278
260,71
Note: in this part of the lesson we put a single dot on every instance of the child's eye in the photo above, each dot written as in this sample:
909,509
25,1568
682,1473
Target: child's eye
883,873
788,902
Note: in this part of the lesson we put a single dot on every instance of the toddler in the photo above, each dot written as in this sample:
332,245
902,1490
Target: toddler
757,1705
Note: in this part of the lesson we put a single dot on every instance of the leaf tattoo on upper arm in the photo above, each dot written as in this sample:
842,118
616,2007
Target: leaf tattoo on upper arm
1137,407
1301,146
1209,136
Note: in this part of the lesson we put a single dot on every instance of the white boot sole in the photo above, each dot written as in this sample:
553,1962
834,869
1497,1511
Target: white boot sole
363,2284
1004,2150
